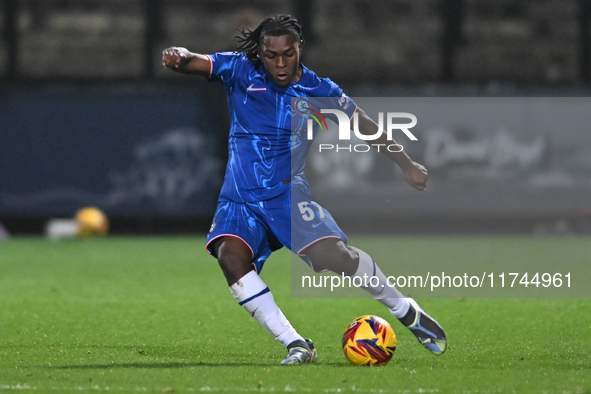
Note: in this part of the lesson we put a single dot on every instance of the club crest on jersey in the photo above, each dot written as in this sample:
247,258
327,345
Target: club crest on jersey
303,107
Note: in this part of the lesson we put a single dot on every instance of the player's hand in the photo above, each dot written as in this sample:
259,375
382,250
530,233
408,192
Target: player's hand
416,175
174,57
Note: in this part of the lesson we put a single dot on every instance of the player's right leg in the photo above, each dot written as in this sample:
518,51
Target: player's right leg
241,247
251,292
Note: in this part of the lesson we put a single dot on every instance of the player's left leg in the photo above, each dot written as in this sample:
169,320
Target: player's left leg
315,236
334,255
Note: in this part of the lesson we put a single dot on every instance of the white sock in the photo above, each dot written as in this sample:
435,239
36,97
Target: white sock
253,294
389,296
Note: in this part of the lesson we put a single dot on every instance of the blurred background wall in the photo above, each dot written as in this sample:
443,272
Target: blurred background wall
88,116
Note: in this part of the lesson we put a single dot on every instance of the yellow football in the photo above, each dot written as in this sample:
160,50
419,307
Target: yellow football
91,221
369,340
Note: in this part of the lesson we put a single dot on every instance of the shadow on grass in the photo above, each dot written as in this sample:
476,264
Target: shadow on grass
171,365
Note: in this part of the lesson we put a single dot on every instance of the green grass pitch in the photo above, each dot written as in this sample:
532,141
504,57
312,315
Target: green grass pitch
154,314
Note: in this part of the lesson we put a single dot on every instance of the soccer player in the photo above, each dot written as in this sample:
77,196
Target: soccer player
255,213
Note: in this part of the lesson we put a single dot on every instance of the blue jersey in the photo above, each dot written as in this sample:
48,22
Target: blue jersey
261,143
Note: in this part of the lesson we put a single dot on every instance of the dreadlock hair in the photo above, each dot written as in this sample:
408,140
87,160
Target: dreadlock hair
276,25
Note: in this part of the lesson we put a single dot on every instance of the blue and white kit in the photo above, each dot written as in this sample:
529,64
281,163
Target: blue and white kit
265,199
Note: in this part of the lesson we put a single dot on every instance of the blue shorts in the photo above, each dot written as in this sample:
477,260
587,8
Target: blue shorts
293,219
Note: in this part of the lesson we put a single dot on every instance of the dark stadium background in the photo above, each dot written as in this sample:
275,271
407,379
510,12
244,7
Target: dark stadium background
88,116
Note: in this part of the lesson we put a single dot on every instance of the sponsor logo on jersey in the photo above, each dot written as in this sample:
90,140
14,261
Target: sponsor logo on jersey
251,88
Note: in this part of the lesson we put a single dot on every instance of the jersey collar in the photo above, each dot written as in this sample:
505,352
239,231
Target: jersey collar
269,82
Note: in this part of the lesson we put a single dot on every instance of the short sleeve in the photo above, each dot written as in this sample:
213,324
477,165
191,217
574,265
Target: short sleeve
339,99
222,66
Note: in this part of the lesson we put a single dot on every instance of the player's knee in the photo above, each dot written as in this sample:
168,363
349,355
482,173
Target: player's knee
346,258
340,252
234,258
333,255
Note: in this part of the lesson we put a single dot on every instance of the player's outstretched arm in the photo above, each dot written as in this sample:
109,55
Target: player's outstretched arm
183,61
414,173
